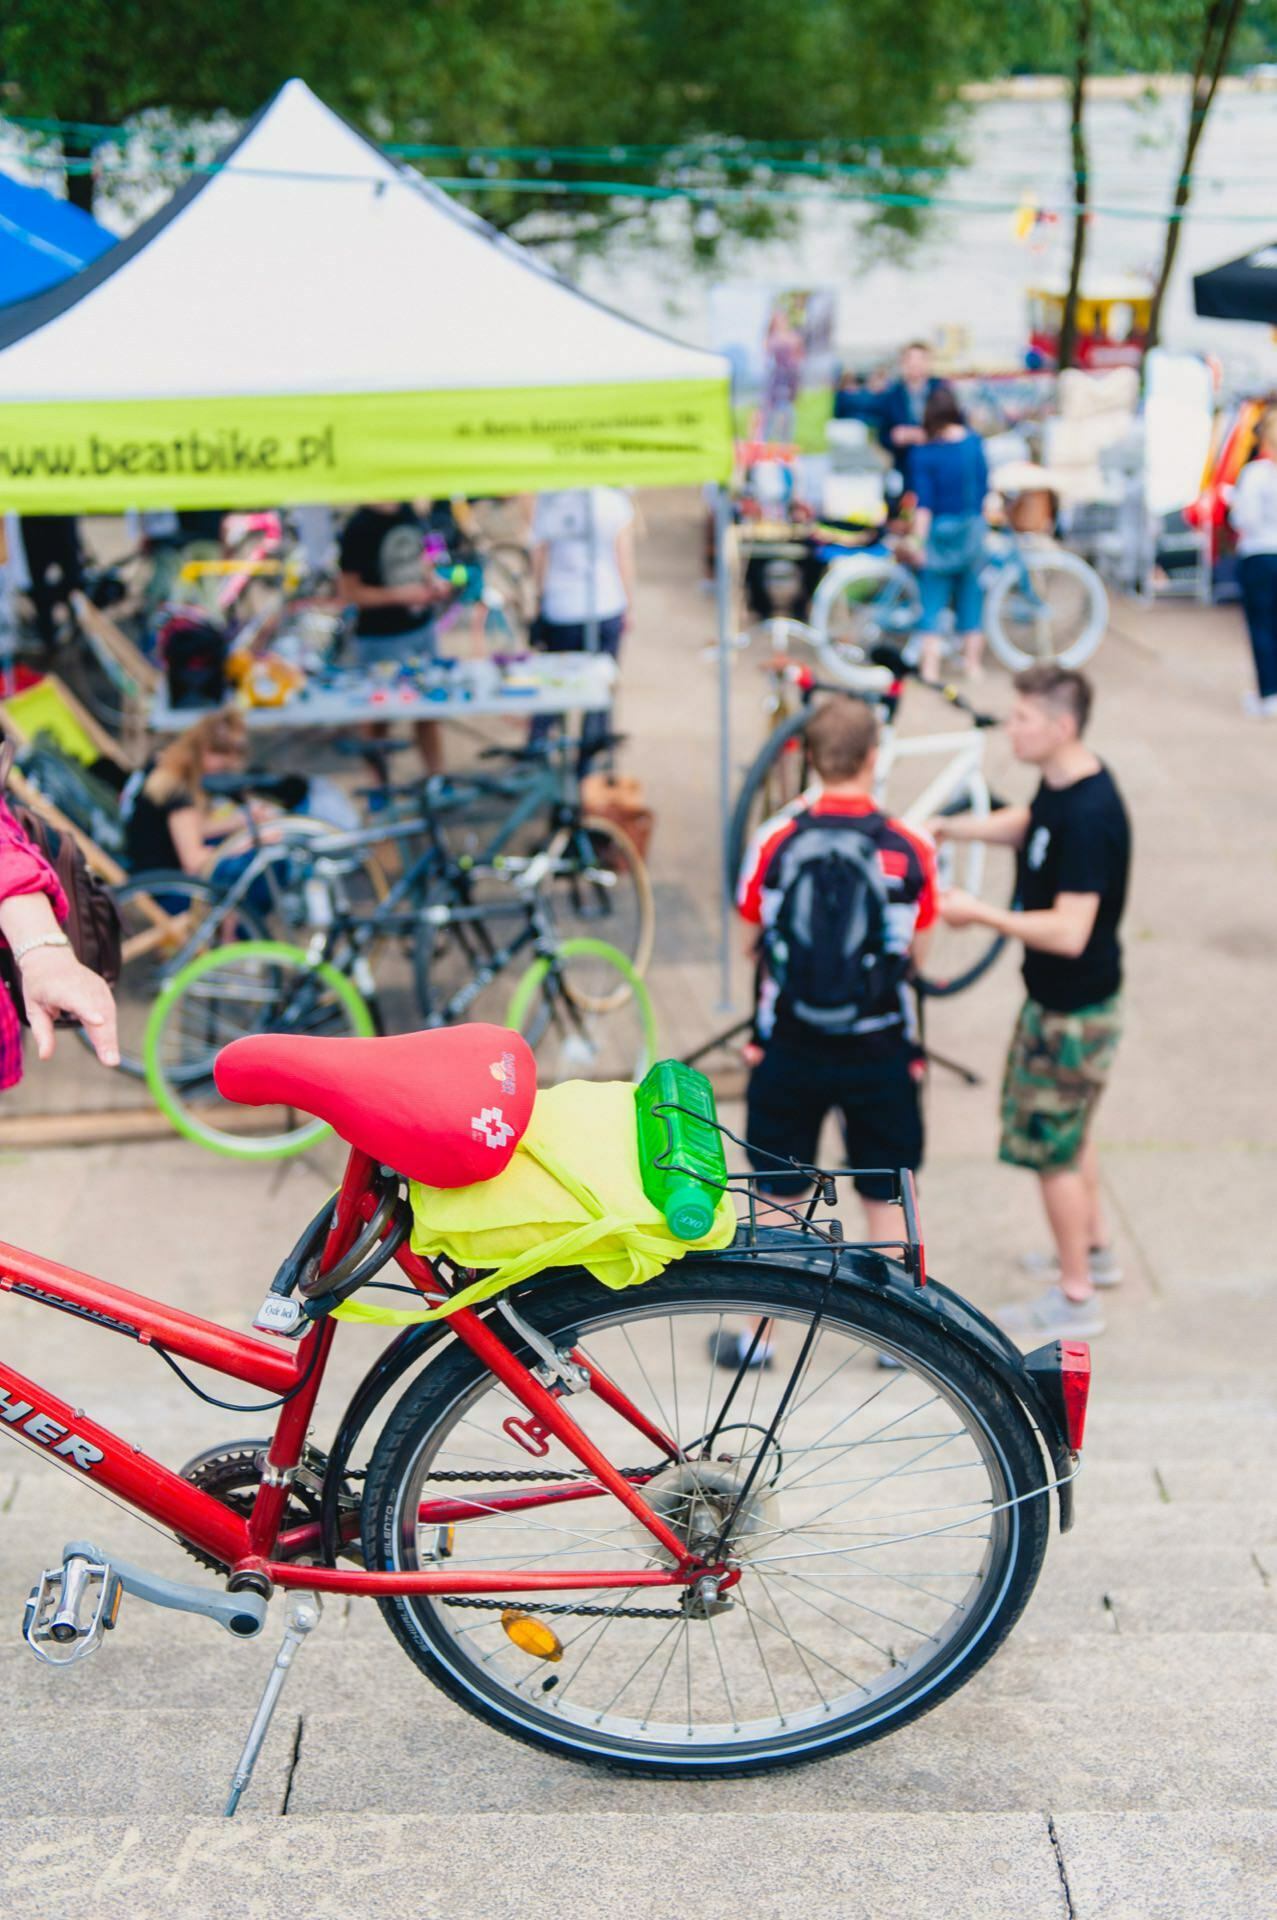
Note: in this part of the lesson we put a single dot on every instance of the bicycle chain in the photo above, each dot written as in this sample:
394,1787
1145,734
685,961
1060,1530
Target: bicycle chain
560,1607
563,1607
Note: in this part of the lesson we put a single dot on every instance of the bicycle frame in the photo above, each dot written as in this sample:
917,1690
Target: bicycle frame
256,1548
964,754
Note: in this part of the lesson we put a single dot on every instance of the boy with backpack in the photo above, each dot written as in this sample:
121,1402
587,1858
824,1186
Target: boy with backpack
843,897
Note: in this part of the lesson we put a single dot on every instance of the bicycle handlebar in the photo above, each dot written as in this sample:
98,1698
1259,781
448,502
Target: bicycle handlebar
889,662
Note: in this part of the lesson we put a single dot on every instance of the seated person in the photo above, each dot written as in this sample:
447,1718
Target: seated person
164,807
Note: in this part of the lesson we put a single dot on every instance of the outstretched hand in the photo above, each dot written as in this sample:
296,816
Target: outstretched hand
961,909
54,982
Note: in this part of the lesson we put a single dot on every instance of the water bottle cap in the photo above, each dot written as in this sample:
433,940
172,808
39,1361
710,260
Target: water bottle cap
690,1215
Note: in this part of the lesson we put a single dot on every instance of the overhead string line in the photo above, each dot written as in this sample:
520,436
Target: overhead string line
698,192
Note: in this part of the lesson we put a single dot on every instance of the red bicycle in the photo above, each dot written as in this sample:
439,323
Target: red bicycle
577,1520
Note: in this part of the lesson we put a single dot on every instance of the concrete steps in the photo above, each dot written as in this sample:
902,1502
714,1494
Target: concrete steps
852,1862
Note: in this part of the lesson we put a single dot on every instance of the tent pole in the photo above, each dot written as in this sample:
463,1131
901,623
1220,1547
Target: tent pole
723,605
592,561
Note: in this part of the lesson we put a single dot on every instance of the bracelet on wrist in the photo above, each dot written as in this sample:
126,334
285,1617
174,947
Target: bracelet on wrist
25,947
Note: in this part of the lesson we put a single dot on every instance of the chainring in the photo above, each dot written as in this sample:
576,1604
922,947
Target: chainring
233,1475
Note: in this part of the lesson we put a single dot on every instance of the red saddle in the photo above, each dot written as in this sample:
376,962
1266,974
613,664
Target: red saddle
448,1106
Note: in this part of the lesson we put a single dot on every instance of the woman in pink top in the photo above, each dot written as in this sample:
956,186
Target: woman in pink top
53,981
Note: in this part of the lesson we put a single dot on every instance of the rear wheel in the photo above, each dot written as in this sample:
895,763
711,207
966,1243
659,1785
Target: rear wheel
891,1537
959,956
1045,604
256,986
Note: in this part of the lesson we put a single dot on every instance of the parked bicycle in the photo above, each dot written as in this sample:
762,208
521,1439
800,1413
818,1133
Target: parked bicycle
782,771
1041,602
295,880
579,1002
576,1526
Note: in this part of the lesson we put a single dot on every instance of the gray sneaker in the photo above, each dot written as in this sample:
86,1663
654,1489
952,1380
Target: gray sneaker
1101,1264
1052,1316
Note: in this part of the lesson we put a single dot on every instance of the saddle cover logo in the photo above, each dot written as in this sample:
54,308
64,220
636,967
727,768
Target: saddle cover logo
492,1127
503,1073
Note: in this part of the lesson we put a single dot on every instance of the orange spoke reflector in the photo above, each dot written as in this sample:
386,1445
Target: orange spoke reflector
531,1635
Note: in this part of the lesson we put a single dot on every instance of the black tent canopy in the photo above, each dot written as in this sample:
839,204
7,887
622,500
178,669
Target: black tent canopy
1244,289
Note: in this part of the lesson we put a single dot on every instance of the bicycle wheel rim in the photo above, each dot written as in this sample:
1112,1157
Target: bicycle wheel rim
779,775
148,950
575,1042
1060,617
956,959
177,1099
768,1721
871,607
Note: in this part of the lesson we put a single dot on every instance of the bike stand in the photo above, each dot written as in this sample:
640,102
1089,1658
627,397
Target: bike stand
965,1074
303,1618
717,1040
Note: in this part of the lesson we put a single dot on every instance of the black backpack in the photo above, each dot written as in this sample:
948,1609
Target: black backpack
827,947
194,654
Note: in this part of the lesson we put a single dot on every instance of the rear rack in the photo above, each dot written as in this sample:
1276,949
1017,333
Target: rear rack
813,1213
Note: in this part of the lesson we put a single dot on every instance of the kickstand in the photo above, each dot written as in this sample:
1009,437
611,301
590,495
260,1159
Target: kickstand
303,1617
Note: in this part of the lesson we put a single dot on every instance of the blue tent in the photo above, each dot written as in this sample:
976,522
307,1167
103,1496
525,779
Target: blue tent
42,240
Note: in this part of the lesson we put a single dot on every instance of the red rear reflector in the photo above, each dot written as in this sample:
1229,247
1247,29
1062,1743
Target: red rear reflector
1075,1387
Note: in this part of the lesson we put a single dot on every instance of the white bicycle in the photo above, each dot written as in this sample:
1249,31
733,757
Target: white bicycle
1041,602
919,776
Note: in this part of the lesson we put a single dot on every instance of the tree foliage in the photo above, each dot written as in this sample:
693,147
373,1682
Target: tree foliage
852,79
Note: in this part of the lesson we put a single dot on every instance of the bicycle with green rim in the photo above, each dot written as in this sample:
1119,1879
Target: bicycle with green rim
265,986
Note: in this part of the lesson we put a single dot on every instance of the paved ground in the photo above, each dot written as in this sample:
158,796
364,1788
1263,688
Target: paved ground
1116,1759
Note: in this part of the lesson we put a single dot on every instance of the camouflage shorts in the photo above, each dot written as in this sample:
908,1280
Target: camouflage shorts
1056,1070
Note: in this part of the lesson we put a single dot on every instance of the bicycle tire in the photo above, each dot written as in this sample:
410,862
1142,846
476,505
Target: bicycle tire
760,794
1000,629
185,1121
942,987
141,975
543,1001
571,1310
886,605
617,856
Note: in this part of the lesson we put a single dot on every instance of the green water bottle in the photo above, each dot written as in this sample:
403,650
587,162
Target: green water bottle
687,1143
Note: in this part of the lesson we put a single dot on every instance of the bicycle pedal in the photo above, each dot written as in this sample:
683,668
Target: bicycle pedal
71,1607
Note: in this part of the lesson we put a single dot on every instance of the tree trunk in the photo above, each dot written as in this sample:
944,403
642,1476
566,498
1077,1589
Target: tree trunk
77,148
1222,18
1081,185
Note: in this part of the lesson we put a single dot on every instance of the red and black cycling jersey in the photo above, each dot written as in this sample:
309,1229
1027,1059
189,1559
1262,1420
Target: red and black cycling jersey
908,864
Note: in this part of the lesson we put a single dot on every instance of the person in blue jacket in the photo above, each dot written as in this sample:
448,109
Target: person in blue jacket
902,405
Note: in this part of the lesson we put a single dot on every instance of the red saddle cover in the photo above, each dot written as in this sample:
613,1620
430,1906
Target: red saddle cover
448,1106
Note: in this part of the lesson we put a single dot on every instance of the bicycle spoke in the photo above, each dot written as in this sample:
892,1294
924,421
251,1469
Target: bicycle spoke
842,1591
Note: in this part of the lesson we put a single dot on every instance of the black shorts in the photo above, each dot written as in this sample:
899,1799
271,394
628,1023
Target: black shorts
793,1089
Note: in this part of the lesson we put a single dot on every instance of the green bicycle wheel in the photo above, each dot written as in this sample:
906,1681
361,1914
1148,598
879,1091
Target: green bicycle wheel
612,1040
251,986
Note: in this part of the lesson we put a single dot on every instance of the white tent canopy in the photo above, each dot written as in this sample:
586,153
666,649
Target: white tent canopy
312,310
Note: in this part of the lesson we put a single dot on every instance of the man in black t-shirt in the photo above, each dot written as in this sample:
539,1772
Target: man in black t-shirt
384,575
1074,844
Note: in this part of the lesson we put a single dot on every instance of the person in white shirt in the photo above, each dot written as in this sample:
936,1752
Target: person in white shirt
1253,512
583,567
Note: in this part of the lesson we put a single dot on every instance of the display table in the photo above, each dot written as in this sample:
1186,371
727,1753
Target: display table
540,683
